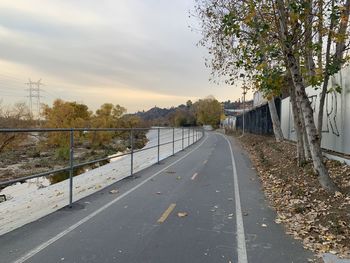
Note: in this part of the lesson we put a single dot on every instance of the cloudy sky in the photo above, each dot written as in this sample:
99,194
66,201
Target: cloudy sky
137,53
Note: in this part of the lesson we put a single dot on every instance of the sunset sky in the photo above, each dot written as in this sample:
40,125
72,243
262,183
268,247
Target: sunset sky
136,53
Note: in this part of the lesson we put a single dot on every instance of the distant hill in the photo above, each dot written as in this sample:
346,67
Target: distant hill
155,113
159,116
165,116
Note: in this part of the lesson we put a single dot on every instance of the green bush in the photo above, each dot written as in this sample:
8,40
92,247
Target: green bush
62,153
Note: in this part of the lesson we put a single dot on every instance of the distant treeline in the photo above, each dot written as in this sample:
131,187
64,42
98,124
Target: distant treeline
67,114
204,111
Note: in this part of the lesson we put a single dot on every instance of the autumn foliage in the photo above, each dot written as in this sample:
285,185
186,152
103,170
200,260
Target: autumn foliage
13,117
65,114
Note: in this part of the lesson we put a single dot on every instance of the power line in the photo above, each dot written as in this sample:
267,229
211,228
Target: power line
52,94
11,91
5,95
9,77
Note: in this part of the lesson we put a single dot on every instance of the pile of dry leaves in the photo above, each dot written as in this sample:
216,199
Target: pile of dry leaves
321,220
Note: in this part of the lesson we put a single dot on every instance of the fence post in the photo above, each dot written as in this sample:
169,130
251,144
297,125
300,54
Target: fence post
158,144
71,166
193,135
182,138
132,152
188,137
173,141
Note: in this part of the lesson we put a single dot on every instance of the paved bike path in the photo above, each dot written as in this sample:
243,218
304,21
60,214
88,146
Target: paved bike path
141,223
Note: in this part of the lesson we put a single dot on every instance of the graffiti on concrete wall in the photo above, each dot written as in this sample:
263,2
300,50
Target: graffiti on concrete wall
330,124
331,108
313,101
336,121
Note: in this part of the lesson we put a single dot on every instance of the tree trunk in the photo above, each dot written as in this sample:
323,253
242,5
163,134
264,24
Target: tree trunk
309,60
303,149
298,129
326,78
319,30
303,100
275,120
312,136
340,46
306,144
321,107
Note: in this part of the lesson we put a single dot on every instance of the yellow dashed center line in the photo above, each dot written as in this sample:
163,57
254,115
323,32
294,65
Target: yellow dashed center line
194,176
166,213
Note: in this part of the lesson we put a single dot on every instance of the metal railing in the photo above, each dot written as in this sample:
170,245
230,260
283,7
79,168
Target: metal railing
195,132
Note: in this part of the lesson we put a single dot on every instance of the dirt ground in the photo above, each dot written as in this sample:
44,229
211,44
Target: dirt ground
35,157
309,213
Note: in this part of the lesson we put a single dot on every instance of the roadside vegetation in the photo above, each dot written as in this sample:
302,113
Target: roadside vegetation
270,45
274,46
206,111
309,213
14,117
23,154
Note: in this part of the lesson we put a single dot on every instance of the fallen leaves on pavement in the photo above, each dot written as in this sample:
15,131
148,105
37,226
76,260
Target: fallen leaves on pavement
182,214
319,219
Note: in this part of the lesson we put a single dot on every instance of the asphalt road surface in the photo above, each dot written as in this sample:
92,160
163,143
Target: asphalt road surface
202,205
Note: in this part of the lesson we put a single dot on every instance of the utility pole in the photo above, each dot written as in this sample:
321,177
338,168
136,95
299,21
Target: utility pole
34,97
245,88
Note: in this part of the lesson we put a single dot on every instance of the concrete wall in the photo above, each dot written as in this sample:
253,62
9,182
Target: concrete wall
336,120
229,122
258,99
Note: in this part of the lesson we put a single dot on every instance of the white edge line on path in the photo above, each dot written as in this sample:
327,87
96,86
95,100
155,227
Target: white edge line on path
241,245
44,245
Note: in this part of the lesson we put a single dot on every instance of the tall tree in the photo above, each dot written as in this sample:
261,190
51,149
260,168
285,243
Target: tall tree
65,114
208,111
240,48
288,26
107,116
269,35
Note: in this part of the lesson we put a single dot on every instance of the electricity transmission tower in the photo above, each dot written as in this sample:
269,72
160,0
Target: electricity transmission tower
34,97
